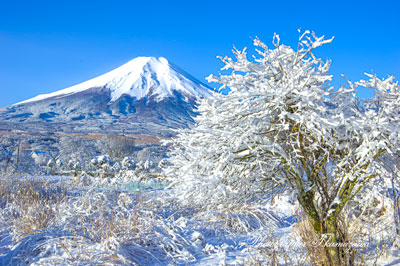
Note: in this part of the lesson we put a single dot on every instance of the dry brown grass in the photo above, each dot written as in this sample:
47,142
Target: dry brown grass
32,205
316,253
111,223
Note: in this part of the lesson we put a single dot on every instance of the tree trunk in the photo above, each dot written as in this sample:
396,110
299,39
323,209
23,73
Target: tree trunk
306,200
333,242
332,245
396,207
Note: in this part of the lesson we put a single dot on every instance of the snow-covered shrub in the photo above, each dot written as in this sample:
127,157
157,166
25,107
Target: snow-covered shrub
163,163
100,160
102,165
282,127
40,158
74,166
128,163
51,163
59,163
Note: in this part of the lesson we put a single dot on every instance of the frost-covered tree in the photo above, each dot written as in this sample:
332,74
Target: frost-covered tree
75,148
7,146
116,146
128,163
282,127
70,148
74,166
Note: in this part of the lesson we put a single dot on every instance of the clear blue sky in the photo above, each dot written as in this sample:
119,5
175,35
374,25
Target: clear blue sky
50,45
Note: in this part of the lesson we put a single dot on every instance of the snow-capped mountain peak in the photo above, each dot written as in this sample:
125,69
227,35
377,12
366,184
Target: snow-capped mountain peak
150,77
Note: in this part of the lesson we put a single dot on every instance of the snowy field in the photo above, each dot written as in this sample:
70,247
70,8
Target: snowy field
96,221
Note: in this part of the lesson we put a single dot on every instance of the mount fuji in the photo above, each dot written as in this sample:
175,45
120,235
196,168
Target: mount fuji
147,95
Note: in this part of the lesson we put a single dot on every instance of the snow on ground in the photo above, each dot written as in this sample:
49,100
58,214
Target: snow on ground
89,221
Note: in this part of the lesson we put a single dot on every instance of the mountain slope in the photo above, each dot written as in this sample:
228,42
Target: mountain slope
139,78
147,95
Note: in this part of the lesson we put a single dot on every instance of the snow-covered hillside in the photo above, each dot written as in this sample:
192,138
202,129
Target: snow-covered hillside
139,78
